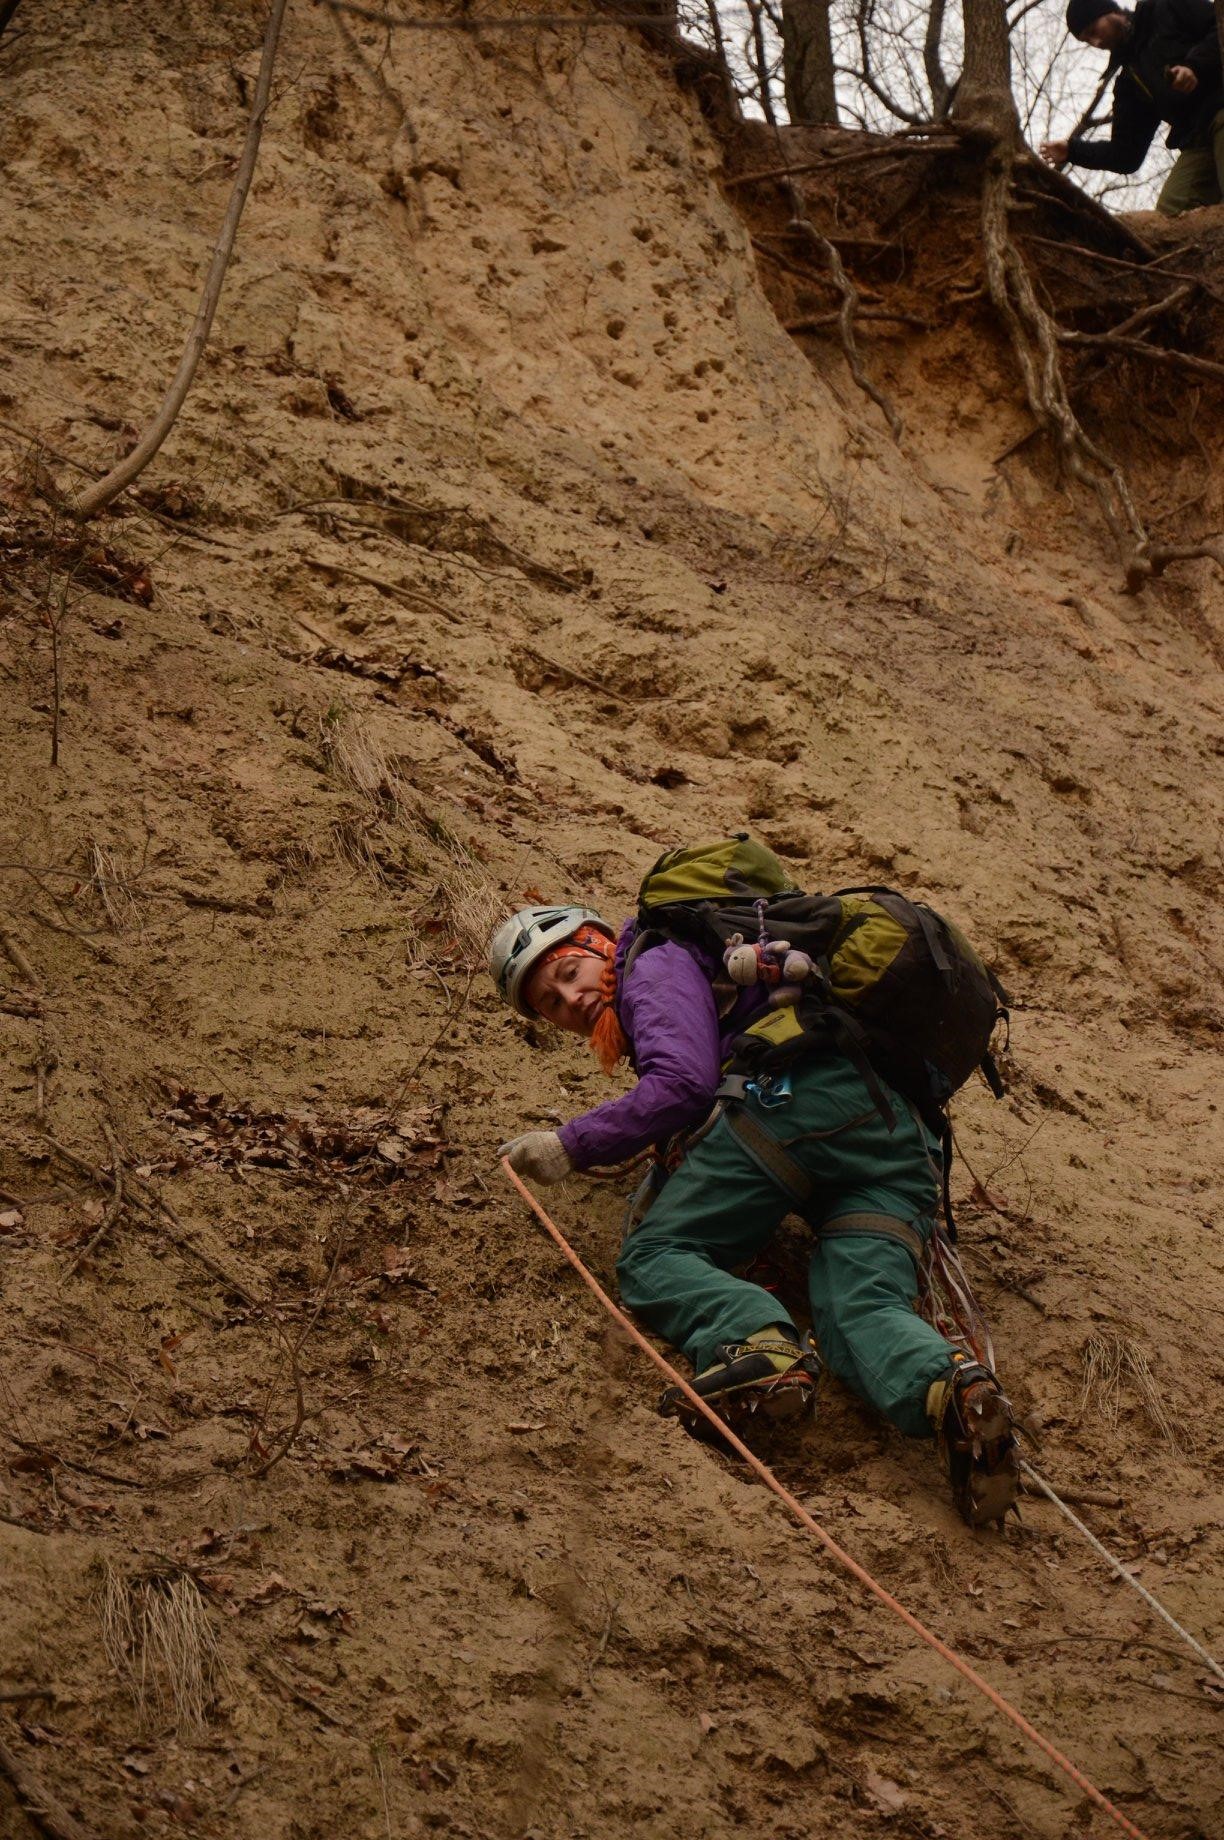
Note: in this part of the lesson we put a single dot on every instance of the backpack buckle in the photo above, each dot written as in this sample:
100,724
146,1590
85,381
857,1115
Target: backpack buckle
770,1090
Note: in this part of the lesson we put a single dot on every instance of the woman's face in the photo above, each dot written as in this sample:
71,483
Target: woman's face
565,992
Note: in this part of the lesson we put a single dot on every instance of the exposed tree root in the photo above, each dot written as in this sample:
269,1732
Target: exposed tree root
48,1815
846,312
1035,340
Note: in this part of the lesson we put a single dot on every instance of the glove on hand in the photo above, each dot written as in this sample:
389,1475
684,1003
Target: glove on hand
540,1155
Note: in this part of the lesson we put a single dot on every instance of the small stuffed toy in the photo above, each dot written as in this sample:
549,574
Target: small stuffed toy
772,962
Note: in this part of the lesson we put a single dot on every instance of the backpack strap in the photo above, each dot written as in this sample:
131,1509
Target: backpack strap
647,936
769,1156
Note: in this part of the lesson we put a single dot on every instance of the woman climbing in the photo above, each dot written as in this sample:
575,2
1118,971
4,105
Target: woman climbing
814,1142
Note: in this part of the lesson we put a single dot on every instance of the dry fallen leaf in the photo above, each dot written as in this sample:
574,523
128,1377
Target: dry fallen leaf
885,1793
272,1586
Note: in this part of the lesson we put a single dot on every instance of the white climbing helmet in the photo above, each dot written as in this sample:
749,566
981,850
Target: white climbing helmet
521,942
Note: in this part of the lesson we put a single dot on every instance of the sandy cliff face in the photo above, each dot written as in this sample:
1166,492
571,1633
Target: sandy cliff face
521,540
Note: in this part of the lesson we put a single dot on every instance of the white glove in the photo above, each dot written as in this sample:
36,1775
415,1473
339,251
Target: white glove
540,1155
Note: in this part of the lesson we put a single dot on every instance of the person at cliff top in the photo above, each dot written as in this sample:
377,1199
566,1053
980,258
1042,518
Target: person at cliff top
1167,56
873,1199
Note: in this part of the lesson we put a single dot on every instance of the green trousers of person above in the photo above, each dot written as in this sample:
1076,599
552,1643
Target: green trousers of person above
1197,175
874,1194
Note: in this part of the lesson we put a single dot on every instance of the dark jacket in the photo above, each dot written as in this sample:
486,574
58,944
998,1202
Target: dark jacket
1164,33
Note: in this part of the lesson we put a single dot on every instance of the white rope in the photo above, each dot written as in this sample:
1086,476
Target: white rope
1117,1566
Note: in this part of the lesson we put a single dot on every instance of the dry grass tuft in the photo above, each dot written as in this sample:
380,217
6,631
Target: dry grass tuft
1109,1360
355,759
391,826
158,1639
112,890
468,901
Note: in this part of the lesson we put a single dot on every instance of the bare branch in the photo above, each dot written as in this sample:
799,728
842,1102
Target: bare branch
97,497
941,89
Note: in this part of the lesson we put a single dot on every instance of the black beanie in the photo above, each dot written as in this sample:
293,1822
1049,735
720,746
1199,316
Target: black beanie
1081,13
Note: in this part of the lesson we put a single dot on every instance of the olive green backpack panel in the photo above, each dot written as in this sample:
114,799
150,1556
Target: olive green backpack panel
714,872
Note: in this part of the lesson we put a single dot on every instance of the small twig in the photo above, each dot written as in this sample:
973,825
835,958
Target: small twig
941,144
48,1814
578,677
294,1349
1020,441
19,1520
396,590
45,1063
114,1209
1082,1498
219,903
14,952
1098,255
83,933
55,626
147,1200
55,1459
252,1776
267,1672
1153,310
98,496
14,1003
1156,354
9,1695
452,1016
134,506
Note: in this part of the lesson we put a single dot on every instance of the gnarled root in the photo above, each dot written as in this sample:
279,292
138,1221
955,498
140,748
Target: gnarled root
1035,338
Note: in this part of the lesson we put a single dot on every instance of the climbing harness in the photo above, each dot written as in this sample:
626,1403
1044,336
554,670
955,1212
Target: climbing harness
806,1520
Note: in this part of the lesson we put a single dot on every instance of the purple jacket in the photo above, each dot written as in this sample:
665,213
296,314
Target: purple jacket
666,1008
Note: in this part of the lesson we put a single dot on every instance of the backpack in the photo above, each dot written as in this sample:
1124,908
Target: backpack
888,982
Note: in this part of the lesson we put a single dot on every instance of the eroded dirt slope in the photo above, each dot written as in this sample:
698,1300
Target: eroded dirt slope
507,538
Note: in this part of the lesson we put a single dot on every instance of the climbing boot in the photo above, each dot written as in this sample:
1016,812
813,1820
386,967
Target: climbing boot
768,1373
973,1423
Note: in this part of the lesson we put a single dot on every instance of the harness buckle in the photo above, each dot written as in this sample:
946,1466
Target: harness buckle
770,1090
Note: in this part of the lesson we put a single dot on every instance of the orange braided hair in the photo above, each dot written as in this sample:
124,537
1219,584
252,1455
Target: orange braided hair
609,1043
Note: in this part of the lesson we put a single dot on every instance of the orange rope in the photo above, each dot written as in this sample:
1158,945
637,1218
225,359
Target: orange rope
805,1519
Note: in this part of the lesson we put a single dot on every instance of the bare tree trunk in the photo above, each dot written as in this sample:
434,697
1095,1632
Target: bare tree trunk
985,108
99,496
760,59
807,60
941,89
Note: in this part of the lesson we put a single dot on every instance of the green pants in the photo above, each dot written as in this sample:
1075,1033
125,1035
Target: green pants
720,1209
1197,175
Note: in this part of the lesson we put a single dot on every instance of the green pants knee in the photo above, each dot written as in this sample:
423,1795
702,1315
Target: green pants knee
1197,175
720,1209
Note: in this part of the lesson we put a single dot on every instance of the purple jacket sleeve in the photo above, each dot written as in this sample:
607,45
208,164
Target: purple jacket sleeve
667,1011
